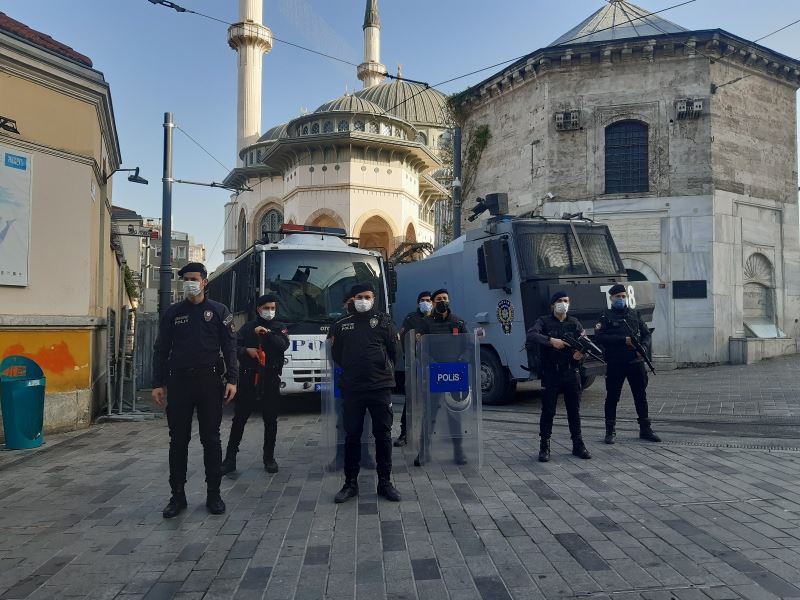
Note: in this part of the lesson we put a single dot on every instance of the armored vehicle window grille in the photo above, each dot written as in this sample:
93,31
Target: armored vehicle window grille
626,157
598,252
550,254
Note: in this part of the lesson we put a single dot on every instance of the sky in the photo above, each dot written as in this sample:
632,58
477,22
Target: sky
157,60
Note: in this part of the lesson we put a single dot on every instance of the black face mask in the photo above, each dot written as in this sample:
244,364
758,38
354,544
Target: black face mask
442,307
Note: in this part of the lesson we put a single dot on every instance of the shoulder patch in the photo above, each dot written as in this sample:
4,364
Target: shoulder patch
227,319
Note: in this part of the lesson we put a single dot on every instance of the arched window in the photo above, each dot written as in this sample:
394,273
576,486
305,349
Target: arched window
344,125
626,157
422,138
386,129
242,231
358,126
327,127
271,221
305,129
315,128
373,127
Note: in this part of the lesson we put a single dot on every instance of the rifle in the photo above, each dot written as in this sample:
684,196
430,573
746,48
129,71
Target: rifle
585,346
637,345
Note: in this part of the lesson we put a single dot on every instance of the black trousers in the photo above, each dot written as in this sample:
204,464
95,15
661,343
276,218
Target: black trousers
616,374
264,397
403,421
379,405
429,424
562,382
185,393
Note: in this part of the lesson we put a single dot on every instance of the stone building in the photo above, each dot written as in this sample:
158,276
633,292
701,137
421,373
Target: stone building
684,142
61,270
366,162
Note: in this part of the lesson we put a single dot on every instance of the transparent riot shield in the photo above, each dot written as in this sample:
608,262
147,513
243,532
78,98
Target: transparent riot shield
448,399
413,414
333,433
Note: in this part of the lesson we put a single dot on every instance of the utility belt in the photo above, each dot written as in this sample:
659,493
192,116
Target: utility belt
195,371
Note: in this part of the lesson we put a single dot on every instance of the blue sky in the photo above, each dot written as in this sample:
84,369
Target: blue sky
157,60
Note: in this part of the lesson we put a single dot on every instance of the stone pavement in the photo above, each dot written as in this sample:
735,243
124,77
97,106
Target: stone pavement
704,515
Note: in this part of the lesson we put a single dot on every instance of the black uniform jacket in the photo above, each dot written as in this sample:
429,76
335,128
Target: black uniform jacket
610,333
413,321
192,336
546,327
274,344
365,347
448,324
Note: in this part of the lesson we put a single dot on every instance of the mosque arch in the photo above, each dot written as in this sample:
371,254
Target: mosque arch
241,231
325,217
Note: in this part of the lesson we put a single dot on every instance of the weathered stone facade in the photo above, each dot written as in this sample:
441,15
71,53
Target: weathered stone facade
721,199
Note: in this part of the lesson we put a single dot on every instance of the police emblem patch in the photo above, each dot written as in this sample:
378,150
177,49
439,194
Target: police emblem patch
208,315
505,315
373,322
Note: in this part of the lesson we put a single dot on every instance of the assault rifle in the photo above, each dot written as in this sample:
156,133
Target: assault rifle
585,346
637,345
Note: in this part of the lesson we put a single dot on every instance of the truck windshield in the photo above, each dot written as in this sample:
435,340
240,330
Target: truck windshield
311,285
553,253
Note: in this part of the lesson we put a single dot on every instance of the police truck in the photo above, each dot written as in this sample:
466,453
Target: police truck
310,270
501,276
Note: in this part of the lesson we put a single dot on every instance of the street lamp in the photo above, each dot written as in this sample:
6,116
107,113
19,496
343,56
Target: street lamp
133,178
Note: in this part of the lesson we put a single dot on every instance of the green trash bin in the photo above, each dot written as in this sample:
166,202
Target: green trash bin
22,384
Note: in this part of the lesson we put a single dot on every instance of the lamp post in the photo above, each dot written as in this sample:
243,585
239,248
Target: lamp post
165,281
134,178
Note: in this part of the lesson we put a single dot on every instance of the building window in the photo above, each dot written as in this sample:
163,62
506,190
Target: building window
373,127
327,127
626,157
422,138
181,251
344,125
305,129
385,129
315,128
271,222
358,126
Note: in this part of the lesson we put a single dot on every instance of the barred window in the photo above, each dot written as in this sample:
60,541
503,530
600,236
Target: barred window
626,157
315,128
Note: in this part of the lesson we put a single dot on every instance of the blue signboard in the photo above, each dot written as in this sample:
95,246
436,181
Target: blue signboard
448,377
337,391
15,161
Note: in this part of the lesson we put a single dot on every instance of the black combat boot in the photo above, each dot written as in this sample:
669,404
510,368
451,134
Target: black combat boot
214,502
417,461
646,432
229,464
349,490
579,449
400,441
176,505
610,432
458,452
544,450
270,466
387,490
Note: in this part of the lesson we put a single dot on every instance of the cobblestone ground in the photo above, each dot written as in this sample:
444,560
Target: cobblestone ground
714,512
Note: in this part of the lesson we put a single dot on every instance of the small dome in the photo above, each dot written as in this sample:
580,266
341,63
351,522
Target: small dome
351,104
412,102
279,131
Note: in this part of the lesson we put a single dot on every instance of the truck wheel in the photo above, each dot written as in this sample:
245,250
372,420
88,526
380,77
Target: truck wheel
495,385
587,380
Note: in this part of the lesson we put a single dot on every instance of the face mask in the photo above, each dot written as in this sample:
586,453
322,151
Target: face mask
442,307
562,307
363,305
267,315
425,307
192,289
619,304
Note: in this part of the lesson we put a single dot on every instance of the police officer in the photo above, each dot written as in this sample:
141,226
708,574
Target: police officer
560,372
186,359
365,347
413,321
265,339
613,333
443,321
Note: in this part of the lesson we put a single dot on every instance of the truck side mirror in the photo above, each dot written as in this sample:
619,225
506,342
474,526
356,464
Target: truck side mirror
497,257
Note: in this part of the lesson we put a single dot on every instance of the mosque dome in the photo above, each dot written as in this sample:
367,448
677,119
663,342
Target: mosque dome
412,102
274,133
351,104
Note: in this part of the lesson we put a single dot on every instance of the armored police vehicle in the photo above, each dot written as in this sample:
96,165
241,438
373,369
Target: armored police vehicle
501,276
310,270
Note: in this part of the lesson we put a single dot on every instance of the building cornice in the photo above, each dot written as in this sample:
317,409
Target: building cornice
712,44
67,77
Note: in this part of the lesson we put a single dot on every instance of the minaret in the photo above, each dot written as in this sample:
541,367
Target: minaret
251,39
371,71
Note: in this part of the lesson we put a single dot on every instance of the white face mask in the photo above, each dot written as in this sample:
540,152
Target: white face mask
267,315
561,308
192,289
425,307
363,305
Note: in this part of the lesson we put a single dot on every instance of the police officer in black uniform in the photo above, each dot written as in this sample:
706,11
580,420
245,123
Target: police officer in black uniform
365,347
613,332
413,321
265,339
560,372
186,359
442,320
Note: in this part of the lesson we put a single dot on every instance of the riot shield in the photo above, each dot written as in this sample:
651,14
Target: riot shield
333,434
448,400
413,414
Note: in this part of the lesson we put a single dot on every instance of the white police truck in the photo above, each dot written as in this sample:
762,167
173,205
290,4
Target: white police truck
501,275
310,270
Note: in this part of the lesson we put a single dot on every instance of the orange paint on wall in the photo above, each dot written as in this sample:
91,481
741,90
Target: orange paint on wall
64,355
